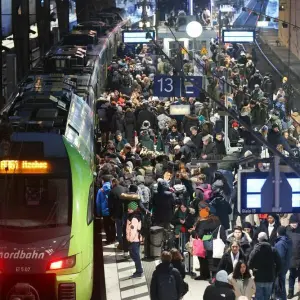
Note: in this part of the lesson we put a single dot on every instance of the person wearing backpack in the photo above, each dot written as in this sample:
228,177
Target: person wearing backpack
143,191
166,282
103,210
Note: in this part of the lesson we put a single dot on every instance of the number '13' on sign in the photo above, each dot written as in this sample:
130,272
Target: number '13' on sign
166,85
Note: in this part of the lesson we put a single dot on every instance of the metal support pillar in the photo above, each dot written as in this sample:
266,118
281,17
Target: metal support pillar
20,26
277,182
62,7
11,73
43,25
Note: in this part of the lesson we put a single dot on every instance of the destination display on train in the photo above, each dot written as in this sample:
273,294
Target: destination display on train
24,167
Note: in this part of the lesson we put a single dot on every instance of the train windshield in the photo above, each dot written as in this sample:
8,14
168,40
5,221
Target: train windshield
34,201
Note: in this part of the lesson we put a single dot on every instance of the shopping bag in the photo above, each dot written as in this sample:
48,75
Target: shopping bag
218,246
198,248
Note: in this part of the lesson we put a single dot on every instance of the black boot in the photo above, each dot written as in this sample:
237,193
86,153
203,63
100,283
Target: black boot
290,294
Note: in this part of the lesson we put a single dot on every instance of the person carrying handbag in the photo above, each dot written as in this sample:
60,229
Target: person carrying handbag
205,225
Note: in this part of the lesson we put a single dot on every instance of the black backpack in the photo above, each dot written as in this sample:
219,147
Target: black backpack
167,286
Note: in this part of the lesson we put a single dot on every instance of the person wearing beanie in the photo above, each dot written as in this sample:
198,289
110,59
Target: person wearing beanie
265,262
188,150
133,236
284,248
221,289
293,232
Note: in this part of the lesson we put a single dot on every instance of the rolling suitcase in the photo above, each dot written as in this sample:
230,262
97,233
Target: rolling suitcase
188,262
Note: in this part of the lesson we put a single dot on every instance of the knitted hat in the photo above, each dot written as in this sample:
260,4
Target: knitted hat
281,230
293,219
222,276
262,236
132,205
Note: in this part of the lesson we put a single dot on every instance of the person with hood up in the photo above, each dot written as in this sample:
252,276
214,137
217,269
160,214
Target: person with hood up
166,282
163,202
188,150
242,237
146,141
133,236
284,248
120,142
118,121
190,121
146,114
221,289
265,263
293,232
242,281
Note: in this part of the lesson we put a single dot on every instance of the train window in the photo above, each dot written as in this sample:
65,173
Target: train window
91,205
60,63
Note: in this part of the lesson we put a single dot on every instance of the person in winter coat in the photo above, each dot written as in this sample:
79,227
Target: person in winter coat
284,248
274,137
196,138
188,150
183,220
270,228
120,142
209,150
146,141
130,124
146,114
266,264
188,122
293,232
118,121
242,281
166,282
220,145
231,257
257,93
143,191
116,208
133,228
177,262
207,224
221,289
160,66
256,78
103,210
243,238
173,139
163,202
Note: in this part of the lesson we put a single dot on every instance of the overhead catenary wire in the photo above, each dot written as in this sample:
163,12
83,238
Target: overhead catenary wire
295,166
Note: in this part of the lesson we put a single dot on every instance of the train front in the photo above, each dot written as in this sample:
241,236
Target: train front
39,258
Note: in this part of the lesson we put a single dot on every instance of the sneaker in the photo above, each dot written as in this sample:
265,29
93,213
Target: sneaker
136,275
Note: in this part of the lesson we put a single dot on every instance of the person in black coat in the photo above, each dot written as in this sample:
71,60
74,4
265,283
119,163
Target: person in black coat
146,115
207,224
220,145
188,122
118,121
293,232
221,289
231,257
188,150
130,124
163,202
266,264
161,276
196,139
270,228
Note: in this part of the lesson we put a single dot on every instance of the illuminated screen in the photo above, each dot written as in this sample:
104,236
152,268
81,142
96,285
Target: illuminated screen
137,37
180,110
24,167
238,36
251,189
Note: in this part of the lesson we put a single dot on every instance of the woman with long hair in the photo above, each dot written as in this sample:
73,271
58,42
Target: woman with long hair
242,281
231,257
205,225
177,261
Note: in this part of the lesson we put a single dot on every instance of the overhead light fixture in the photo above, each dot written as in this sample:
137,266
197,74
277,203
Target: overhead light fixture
148,24
141,24
285,25
281,7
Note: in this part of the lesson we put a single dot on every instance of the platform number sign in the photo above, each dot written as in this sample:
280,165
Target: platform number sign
176,86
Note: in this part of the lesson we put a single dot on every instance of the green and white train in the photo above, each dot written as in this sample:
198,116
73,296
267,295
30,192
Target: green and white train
47,172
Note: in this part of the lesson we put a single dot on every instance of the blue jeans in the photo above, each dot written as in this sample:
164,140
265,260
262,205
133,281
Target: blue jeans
294,274
263,290
134,251
280,286
119,228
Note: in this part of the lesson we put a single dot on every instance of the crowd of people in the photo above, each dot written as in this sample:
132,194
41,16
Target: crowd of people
176,172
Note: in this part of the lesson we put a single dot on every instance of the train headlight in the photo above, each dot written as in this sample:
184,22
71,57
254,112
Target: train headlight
64,263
